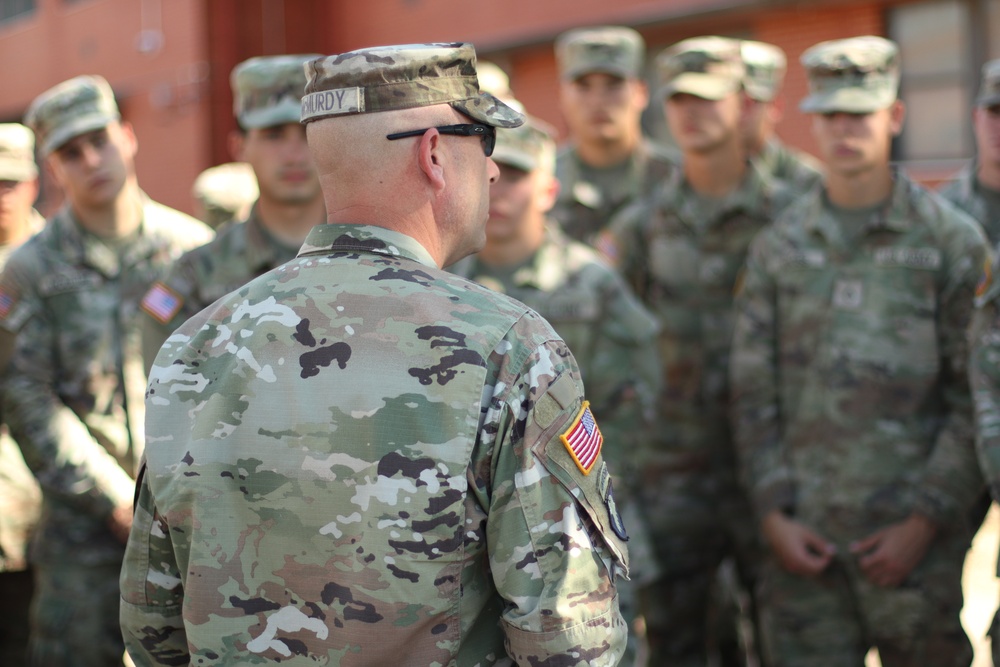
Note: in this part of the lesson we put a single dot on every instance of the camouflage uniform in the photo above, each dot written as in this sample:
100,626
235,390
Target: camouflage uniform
797,170
20,497
225,193
851,402
589,196
370,462
74,393
982,204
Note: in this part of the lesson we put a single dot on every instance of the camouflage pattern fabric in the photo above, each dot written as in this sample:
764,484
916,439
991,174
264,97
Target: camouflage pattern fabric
682,254
612,49
237,255
584,207
356,459
73,402
798,171
852,409
966,193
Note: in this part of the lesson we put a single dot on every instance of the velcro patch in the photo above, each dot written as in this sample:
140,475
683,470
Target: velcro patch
583,439
162,303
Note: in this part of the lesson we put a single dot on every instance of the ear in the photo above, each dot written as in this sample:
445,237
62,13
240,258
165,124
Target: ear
777,109
431,158
548,192
129,133
897,114
235,143
641,93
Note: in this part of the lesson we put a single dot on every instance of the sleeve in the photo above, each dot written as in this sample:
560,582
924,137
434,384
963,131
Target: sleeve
621,244
756,409
65,458
151,589
951,480
166,305
554,552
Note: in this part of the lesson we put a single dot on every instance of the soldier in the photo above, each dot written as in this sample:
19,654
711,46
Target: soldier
224,193
608,163
74,393
852,406
611,335
20,498
765,72
977,188
682,249
267,93
359,457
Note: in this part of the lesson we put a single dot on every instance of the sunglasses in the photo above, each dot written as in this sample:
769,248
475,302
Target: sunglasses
487,133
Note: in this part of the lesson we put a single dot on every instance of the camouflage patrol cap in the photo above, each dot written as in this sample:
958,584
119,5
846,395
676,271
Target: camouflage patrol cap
529,147
17,153
989,87
267,90
708,67
388,78
615,50
855,75
765,69
225,191
73,107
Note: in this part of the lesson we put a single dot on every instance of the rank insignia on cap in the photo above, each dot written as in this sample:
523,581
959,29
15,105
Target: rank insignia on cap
7,301
583,439
162,303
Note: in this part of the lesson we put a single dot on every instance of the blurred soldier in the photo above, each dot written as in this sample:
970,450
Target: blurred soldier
682,250
224,193
20,498
493,80
853,412
360,458
608,163
977,188
765,72
74,390
609,332
267,93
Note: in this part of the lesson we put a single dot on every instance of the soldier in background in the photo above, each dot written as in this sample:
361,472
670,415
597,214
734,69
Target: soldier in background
20,498
682,249
73,396
852,407
609,332
765,72
608,162
977,188
224,193
267,93
403,456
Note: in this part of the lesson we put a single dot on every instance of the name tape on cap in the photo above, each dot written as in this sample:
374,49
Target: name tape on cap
333,102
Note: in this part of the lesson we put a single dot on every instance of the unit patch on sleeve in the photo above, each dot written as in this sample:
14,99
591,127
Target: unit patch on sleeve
583,439
162,303
7,301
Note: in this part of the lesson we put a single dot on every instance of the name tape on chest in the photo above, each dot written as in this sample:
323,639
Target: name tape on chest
583,439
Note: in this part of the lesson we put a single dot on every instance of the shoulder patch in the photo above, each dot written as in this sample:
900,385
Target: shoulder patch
7,301
162,303
583,439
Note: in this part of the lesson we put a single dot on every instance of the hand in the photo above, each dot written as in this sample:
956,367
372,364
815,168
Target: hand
799,550
887,556
120,522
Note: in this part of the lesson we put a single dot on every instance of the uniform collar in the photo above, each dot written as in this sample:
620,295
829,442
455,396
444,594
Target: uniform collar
263,249
750,196
896,215
328,238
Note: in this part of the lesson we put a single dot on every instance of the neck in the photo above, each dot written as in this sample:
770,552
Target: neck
718,172
604,154
290,223
859,189
19,231
988,175
121,217
514,250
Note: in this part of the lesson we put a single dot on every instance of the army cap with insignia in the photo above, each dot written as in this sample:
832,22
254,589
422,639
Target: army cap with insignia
529,147
17,153
267,90
855,75
389,78
614,50
72,108
989,87
765,69
707,67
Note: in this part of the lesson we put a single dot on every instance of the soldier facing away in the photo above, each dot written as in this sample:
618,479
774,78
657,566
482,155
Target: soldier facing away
20,497
608,162
853,415
267,92
73,397
359,458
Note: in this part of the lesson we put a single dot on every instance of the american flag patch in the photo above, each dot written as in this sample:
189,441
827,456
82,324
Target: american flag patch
583,439
162,303
7,302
